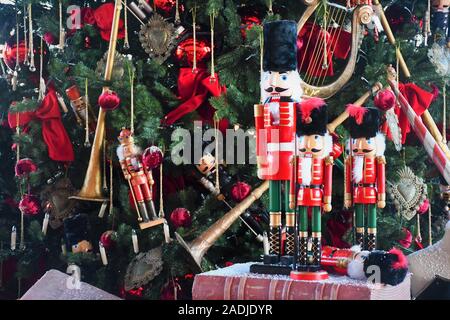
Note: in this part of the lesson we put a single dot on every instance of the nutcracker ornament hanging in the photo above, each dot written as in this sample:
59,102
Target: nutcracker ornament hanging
311,183
275,128
365,173
139,178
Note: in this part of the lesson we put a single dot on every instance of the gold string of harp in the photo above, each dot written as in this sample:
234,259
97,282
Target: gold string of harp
324,67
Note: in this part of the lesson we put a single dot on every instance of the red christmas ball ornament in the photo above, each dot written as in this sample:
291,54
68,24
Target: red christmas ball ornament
24,167
109,100
240,191
87,42
152,157
407,240
29,205
424,207
384,100
49,38
181,217
12,51
107,239
185,51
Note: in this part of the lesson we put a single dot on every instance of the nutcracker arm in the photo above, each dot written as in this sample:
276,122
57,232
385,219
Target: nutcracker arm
261,139
348,182
293,182
328,177
381,178
124,167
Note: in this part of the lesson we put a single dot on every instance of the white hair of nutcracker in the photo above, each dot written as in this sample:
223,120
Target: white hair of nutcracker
294,81
119,150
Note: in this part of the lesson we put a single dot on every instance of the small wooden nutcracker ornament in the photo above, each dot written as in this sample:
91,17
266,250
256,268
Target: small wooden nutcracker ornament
140,179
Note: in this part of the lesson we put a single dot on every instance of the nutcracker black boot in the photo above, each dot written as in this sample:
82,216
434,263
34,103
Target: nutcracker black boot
143,211
359,237
371,239
316,251
150,205
273,257
303,251
289,245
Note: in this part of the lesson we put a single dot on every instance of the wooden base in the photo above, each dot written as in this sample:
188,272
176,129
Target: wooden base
270,269
152,223
309,276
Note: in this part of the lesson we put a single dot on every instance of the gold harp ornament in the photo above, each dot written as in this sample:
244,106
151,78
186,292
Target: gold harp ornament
361,16
92,187
197,248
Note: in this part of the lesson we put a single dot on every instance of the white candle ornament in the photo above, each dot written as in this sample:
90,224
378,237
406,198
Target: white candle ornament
13,238
135,241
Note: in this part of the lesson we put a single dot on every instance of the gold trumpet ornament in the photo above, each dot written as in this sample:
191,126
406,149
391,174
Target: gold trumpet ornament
92,187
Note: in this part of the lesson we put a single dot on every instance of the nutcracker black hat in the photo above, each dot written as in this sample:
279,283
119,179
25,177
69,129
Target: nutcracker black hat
76,228
393,265
312,117
280,46
363,122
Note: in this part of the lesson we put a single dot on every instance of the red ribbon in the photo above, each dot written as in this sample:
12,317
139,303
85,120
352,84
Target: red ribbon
194,89
419,99
102,18
53,131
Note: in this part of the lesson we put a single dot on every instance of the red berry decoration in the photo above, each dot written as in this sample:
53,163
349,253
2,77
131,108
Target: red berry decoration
107,239
165,5
109,100
181,217
384,100
49,38
240,191
185,51
24,167
407,240
29,205
152,157
424,207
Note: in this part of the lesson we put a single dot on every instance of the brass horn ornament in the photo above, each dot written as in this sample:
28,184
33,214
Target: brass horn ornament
92,186
203,242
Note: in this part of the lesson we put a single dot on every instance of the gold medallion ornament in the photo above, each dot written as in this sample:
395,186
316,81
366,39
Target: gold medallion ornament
55,197
143,269
118,70
158,38
408,193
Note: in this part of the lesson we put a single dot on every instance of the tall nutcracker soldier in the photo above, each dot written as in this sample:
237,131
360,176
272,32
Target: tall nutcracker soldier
275,127
312,177
139,179
365,173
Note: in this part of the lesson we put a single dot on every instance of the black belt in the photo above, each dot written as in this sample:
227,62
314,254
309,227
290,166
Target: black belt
311,186
366,185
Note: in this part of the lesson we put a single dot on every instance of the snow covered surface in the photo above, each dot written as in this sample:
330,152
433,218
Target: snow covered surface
243,270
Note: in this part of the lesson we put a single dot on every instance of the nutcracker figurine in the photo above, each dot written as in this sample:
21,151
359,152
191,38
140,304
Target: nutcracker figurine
275,128
312,176
139,179
365,172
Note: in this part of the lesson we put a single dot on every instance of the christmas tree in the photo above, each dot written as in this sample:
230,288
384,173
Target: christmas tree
178,66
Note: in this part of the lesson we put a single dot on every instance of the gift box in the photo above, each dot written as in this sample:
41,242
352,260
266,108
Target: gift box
237,283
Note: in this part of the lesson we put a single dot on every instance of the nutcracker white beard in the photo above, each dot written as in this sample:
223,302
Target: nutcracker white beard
358,168
306,170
